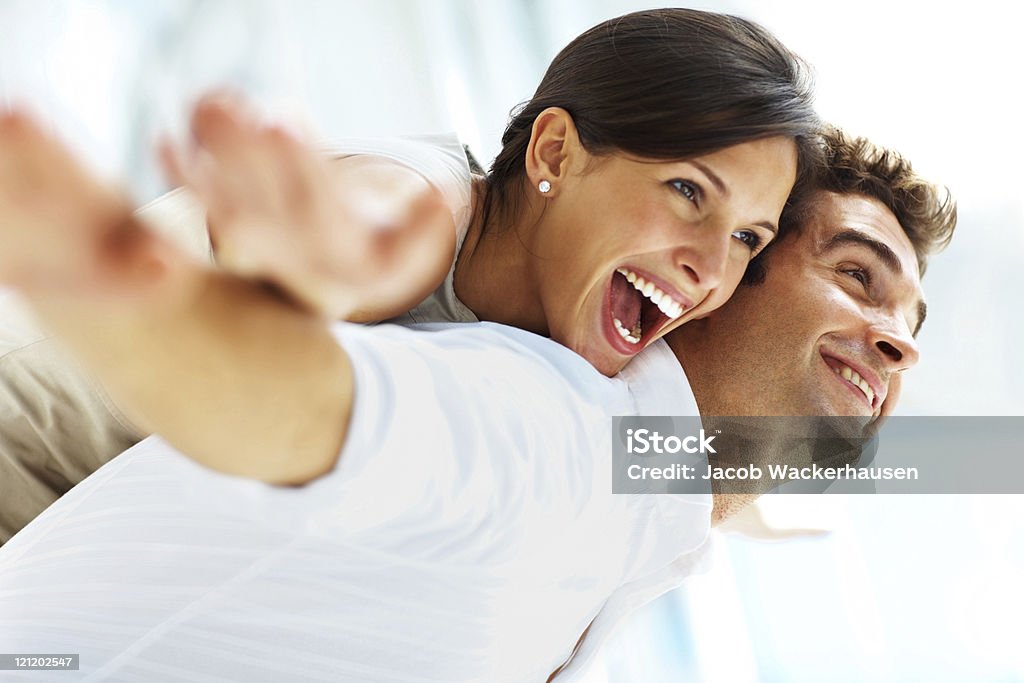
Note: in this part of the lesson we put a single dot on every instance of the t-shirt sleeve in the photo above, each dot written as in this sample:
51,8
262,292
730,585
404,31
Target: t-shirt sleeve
463,429
440,159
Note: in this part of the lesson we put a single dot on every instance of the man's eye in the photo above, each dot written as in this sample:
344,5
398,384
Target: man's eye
687,189
749,238
861,275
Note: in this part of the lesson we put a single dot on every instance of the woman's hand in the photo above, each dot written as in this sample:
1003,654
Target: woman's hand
337,236
226,371
60,228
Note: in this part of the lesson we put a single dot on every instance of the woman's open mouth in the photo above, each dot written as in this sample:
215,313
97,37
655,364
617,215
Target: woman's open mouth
638,308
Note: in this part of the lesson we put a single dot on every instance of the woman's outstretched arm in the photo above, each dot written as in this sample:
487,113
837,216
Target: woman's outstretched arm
313,226
224,368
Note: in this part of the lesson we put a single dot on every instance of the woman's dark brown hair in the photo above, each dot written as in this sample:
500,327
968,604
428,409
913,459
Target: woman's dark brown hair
666,84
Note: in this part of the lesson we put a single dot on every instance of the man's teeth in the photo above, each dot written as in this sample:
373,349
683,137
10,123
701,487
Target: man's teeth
851,375
632,337
665,303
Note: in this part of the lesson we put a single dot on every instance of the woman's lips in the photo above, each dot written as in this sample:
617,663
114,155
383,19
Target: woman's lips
640,305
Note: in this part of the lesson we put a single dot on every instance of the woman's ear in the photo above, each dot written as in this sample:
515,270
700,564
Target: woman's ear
553,151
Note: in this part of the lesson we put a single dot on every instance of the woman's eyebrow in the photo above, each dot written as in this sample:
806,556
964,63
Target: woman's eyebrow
724,191
713,177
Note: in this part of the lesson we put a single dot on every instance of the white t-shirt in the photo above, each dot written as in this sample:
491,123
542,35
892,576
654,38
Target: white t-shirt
468,532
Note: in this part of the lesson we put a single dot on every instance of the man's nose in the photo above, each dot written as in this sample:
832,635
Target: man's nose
895,343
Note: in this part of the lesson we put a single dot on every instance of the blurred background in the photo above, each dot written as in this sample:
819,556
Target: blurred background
901,588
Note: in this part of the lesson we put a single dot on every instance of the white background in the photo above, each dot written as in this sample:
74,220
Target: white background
902,585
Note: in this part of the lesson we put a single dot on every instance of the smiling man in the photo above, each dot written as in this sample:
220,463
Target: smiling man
827,319
827,324
824,324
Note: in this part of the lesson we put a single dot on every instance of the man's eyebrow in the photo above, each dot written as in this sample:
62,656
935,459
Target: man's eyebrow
713,177
886,255
922,311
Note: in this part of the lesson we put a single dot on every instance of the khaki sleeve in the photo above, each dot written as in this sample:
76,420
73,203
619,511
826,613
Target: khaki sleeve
56,428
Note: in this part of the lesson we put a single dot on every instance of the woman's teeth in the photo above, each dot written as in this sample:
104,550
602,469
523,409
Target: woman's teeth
850,375
665,303
632,337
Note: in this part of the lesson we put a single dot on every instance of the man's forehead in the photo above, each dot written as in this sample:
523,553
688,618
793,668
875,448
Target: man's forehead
833,214
834,211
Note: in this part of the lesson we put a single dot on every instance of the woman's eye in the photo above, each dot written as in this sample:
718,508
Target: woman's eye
687,189
749,238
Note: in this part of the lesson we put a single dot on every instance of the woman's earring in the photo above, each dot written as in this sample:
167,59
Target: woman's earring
544,187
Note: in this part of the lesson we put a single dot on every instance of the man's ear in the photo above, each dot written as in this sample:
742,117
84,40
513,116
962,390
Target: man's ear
554,149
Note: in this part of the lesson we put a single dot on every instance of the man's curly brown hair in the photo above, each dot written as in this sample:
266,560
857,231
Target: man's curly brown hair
855,165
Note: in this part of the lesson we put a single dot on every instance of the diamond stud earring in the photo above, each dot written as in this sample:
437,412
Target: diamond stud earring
544,187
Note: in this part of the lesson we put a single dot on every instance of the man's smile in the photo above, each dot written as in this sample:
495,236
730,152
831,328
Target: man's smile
861,381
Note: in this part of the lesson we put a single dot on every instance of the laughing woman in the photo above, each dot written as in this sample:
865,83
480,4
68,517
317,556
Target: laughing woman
631,193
